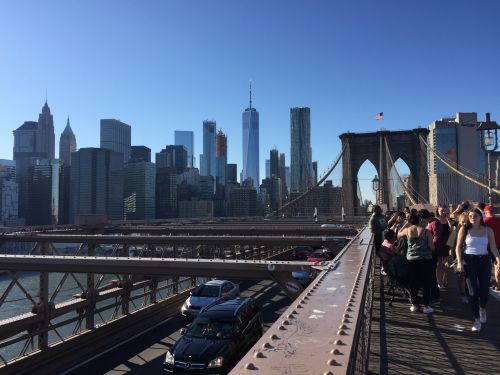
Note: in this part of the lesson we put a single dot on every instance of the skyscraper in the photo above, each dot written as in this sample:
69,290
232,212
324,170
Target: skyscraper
67,145
45,137
220,157
139,190
8,193
250,119
207,159
116,136
300,153
96,183
457,140
186,138
25,155
140,153
43,193
172,157
232,173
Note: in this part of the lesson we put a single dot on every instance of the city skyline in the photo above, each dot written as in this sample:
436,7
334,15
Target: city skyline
347,63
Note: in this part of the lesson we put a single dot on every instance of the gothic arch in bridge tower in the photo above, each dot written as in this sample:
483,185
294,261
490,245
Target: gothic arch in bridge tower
404,145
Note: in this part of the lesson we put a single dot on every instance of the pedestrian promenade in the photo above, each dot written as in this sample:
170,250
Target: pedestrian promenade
440,343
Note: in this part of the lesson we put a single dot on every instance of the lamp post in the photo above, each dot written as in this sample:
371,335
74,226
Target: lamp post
489,143
376,188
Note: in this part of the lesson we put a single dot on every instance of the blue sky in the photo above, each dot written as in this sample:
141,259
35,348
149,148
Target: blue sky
167,65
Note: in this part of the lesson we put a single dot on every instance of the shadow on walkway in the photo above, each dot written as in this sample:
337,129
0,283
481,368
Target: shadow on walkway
440,343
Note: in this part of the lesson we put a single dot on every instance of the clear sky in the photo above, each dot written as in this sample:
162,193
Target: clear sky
166,65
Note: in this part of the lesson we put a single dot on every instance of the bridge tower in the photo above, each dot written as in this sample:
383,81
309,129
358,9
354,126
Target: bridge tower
360,147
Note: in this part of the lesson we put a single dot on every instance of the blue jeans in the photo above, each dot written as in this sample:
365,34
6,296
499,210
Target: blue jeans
477,277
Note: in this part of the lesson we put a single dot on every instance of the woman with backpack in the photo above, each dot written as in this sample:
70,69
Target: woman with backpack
419,256
472,257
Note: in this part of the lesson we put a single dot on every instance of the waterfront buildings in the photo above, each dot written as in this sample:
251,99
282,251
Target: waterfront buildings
116,136
250,119
186,138
300,152
67,144
457,140
96,183
207,159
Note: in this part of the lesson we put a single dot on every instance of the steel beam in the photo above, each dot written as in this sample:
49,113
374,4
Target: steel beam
171,240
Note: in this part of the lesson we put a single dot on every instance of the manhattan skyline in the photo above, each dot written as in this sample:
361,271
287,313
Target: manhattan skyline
157,67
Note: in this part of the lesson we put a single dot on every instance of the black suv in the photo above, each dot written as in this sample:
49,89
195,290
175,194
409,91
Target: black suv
216,339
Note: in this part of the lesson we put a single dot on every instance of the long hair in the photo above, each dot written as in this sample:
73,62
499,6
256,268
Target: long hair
478,212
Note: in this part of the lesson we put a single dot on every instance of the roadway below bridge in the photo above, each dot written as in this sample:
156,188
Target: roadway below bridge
145,353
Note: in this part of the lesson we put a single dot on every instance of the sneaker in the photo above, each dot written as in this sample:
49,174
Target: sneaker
414,308
427,310
464,300
482,316
476,327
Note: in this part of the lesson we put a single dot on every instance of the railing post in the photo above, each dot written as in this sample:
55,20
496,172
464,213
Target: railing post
154,280
43,304
90,294
125,285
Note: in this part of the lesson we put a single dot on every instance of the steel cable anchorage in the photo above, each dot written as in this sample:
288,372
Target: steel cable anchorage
454,169
305,194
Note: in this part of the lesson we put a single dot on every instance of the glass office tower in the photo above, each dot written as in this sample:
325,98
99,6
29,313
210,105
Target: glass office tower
250,170
207,159
186,138
115,136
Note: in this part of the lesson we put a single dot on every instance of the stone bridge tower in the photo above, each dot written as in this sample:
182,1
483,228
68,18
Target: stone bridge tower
371,146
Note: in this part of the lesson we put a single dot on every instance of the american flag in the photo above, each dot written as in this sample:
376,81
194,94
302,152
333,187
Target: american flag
379,116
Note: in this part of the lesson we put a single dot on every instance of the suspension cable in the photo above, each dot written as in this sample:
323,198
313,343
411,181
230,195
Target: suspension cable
408,193
456,170
305,194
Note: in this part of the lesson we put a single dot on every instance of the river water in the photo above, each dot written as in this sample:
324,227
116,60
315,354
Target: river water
17,303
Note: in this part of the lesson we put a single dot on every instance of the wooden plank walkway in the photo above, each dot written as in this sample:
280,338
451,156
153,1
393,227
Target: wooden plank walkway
440,343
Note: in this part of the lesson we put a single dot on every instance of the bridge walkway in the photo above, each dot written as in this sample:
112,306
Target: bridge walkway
441,343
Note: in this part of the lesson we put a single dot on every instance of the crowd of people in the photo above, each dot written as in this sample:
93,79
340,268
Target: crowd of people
419,248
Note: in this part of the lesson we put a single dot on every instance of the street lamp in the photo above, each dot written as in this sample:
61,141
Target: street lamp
376,187
489,143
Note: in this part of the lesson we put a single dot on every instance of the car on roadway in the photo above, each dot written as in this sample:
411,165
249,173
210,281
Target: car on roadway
217,339
301,252
208,293
320,255
303,277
